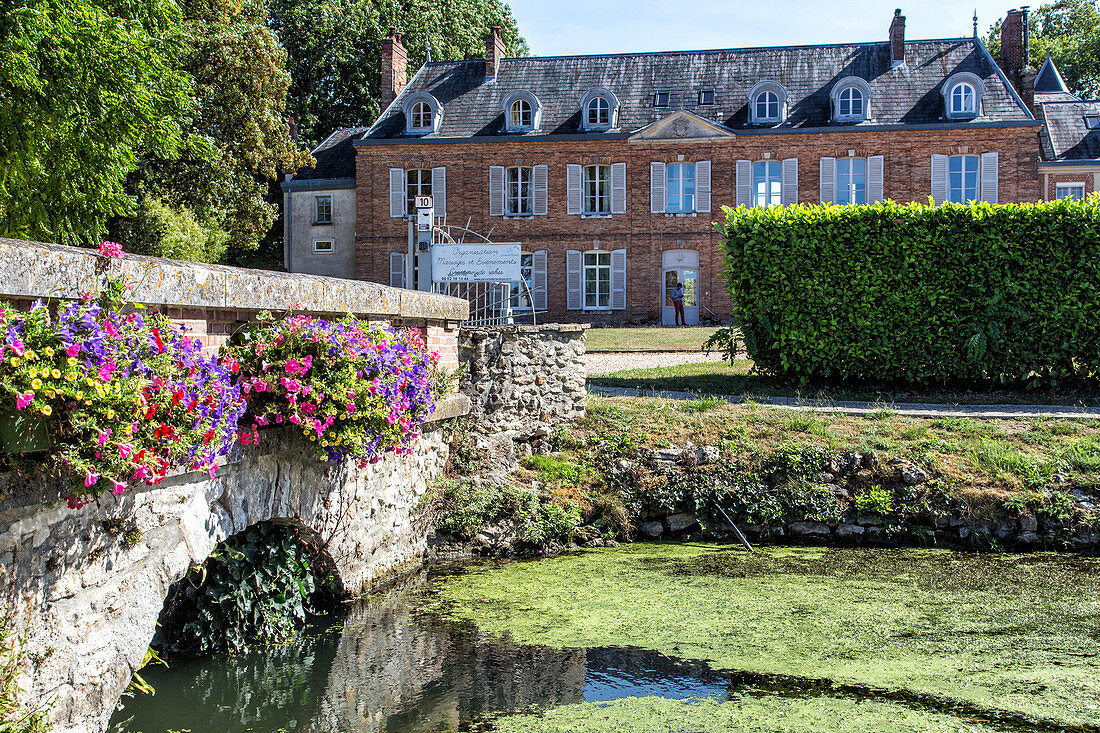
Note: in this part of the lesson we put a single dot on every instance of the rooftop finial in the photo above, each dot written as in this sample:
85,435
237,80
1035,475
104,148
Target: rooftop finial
975,22
428,52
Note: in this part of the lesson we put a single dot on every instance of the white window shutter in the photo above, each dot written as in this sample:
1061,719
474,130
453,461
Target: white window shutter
573,190
540,176
538,280
828,180
397,270
744,183
618,279
989,177
618,188
439,191
939,178
875,175
496,190
397,192
573,279
702,186
657,199
789,189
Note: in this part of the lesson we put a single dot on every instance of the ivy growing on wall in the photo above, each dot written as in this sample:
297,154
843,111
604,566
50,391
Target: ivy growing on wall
260,586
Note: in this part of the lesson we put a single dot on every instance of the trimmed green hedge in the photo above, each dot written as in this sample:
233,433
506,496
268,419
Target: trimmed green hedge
1004,293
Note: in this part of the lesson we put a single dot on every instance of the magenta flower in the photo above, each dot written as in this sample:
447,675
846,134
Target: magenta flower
22,400
103,436
110,249
17,347
118,487
90,478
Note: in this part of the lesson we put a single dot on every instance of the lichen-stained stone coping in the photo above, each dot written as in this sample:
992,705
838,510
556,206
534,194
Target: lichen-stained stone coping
40,270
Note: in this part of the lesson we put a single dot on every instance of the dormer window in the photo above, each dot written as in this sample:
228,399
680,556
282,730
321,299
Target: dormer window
661,99
1092,122
963,100
851,100
522,111
767,106
599,108
767,103
422,114
962,96
599,112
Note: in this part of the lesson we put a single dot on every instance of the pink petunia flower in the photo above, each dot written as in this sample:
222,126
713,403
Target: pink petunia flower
118,487
103,437
22,400
109,249
90,478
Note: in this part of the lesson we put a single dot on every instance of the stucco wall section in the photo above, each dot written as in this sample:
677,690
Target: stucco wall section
304,232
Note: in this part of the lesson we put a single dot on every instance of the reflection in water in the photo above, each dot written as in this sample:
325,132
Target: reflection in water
390,668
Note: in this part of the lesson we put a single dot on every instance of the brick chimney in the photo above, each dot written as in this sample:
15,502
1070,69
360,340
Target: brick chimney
897,39
494,51
394,67
1014,55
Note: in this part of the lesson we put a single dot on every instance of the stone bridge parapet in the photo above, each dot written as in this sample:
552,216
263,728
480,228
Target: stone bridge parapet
85,586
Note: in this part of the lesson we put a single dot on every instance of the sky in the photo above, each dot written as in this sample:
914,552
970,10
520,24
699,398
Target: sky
562,27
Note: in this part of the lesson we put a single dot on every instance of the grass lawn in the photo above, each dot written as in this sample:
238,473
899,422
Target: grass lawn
979,460
736,379
648,339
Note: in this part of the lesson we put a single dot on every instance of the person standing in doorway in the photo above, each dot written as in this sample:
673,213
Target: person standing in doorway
678,304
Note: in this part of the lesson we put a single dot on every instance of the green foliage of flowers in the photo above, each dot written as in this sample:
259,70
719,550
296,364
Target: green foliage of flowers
258,587
355,389
876,501
117,397
915,293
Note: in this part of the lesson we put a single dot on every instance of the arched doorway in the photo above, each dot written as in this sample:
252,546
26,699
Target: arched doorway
680,266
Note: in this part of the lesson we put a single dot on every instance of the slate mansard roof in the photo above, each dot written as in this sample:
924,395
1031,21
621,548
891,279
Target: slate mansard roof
335,158
1066,138
905,95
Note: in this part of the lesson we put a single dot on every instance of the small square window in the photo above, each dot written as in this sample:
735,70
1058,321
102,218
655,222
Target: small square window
660,99
706,96
323,247
1092,122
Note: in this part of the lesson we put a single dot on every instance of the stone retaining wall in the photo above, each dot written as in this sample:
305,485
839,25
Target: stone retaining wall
524,379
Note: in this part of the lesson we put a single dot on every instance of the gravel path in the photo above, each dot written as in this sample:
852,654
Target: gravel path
601,363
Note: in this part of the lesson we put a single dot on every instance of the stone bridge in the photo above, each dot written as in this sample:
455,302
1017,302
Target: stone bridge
85,587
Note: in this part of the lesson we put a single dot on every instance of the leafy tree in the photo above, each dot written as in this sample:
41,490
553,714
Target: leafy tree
86,87
334,49
1069,30
236,139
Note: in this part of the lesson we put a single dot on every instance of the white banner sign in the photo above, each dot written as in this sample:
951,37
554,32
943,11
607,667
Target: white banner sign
471,263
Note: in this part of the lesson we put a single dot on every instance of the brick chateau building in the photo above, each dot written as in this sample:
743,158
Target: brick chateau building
611,169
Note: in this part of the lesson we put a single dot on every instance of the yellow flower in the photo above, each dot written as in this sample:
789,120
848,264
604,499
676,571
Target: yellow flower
48,350
30,355
79,394
71,361
50,393
110,414
71,376
46,409
14,361
36,384
88,382
55,373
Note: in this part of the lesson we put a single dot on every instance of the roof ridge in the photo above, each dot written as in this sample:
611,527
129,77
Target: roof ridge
687,52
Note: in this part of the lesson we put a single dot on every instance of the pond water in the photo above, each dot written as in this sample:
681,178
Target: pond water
676,637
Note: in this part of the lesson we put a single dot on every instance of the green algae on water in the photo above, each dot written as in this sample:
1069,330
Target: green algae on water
747,715
1012,633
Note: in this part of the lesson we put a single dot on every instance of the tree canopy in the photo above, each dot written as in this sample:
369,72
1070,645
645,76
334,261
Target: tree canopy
1069,30
334,49
87,87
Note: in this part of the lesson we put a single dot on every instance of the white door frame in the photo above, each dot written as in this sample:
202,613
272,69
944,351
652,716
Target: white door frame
679,259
